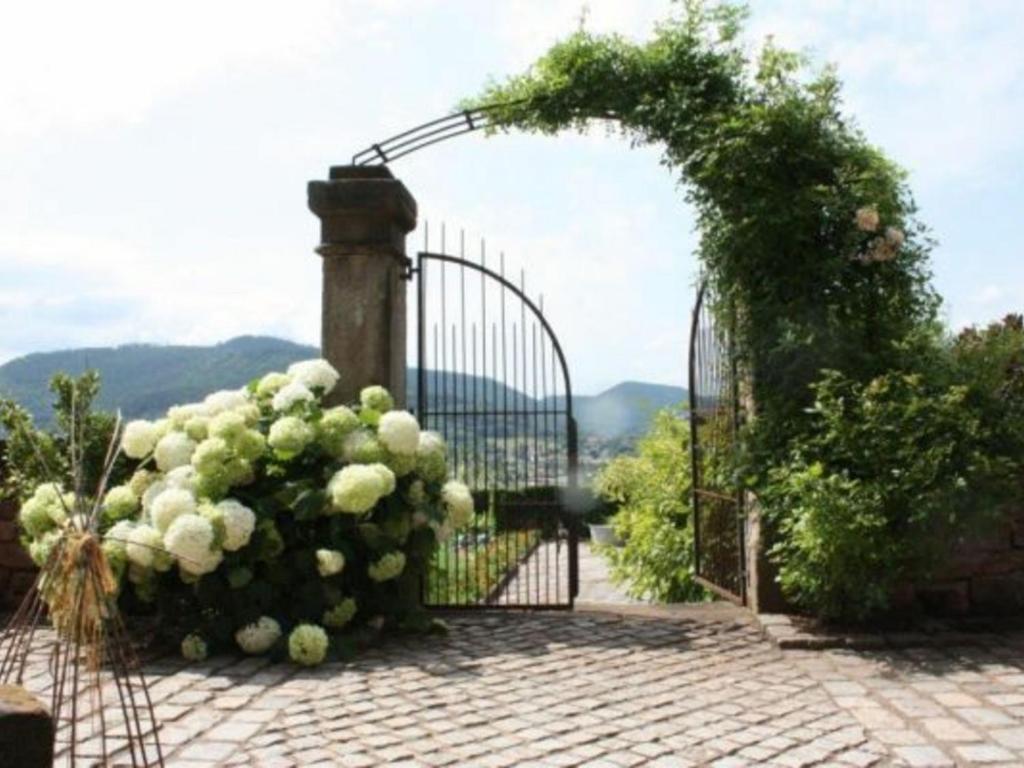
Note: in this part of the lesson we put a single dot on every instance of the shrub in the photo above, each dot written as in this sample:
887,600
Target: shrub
893,472
33,456
260,519
651,490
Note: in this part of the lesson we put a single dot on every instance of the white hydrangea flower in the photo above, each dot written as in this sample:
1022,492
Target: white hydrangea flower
258,637
194,648
335,425
329,562
174,450
197,428
239,523
141,481
250,445
458,502
272,383
120,502
362,447
386,478
190,540
307,645
291,395
227,425
314,374
868,218
225,400
180,415
376,398
183,477
355,489
118,534
290,434
431,457
442,531
169,505
211,455
399,432
389,566
139,439
40,550
150,495
341,614
143,544
45,509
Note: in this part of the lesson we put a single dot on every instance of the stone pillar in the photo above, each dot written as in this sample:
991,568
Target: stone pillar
763,592
26,730
365,214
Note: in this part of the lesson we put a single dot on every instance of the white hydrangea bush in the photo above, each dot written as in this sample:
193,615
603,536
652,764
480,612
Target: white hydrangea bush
263,521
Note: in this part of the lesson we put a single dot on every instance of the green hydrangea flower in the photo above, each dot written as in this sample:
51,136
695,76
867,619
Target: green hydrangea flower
307,645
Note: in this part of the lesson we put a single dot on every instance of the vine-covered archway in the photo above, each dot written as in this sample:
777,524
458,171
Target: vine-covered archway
868,445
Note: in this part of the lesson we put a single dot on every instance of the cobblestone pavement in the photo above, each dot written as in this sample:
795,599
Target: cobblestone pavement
684,686
937,706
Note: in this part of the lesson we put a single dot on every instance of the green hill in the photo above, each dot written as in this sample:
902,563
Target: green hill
143,380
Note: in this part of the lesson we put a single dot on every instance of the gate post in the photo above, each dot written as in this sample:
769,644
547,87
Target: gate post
365,214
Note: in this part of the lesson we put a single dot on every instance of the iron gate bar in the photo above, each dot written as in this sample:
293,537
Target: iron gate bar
468,414
706,381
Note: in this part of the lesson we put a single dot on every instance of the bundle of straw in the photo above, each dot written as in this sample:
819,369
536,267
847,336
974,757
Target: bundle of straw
77,588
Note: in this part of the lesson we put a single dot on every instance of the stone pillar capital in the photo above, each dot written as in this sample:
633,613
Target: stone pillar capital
362,209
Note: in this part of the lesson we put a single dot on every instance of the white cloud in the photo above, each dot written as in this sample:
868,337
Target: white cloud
72,65
938,83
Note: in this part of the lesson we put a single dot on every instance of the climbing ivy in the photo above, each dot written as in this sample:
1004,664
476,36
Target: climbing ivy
776,175
807,232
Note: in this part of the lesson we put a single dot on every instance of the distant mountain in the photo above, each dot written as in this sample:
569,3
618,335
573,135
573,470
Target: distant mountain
626,409
143,380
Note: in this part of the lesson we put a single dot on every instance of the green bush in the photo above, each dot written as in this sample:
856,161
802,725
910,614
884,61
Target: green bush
651,490
891,475
32,455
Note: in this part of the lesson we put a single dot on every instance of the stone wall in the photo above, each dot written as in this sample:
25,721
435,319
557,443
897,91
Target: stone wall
16,569
985,575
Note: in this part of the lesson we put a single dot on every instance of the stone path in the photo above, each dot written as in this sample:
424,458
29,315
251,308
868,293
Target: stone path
544,579
596,586
682,686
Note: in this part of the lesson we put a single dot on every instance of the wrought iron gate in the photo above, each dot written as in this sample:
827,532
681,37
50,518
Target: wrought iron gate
718,511
492,379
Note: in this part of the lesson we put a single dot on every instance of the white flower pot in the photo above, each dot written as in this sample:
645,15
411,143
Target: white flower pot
604,535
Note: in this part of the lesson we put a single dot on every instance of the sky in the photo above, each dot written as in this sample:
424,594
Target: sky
154,159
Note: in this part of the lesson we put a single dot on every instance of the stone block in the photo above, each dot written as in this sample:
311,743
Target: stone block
945,599
26,730
998,595
8,530
14,557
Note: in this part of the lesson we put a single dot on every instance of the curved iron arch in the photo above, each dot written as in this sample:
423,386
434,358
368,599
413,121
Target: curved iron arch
537,313
429,133
442,129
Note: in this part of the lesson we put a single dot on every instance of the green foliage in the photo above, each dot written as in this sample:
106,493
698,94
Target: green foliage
810,243
889,475
652,492
991,362
33,455
776,176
